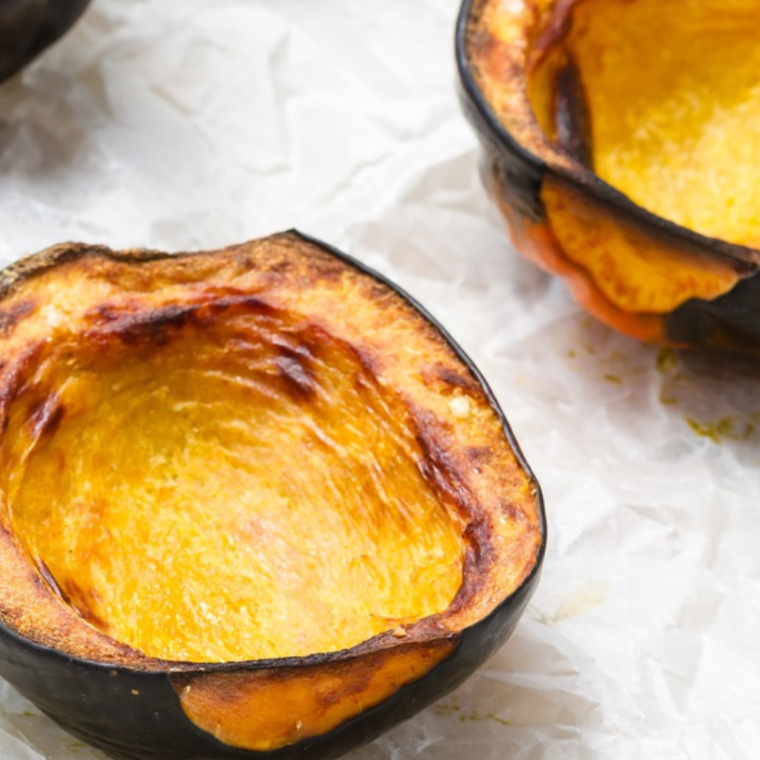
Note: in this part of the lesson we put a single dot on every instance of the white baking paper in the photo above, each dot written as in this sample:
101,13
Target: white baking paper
186,124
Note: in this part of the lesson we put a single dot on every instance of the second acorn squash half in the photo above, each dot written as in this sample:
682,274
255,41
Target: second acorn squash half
253,501
623,148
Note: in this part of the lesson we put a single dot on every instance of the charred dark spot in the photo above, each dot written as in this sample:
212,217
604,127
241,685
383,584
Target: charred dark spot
10,316
45,416
479,554
218,301
16,380
370,367
572,116
297,373
438,468
477,548
73,596
83,602
478,455
157,326
439,374
304,345
44,571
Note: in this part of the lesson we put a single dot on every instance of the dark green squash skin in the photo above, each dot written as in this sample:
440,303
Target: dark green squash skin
27,27
730,322
136,715
98,704
502,155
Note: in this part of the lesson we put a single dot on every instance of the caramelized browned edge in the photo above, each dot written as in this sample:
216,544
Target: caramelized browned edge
281,270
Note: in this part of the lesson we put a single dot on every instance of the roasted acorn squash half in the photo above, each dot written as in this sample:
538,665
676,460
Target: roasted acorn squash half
253,501
27,27
622,145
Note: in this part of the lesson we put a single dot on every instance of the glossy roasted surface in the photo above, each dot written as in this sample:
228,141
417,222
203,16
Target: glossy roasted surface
238,488
243,455
619,145
673,103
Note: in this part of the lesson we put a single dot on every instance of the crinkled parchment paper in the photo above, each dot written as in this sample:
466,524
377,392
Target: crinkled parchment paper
186,124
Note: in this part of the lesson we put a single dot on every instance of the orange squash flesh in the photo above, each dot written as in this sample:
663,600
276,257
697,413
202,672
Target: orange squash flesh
674,99
659,103
262,711
622,139
174,492
636,270
206,463
250,499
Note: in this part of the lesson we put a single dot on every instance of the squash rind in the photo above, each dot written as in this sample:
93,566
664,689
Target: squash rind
131,706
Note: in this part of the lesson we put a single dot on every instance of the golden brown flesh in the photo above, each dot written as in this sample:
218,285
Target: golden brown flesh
622,146
250,499
247,476
256,710
251,454
674,100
